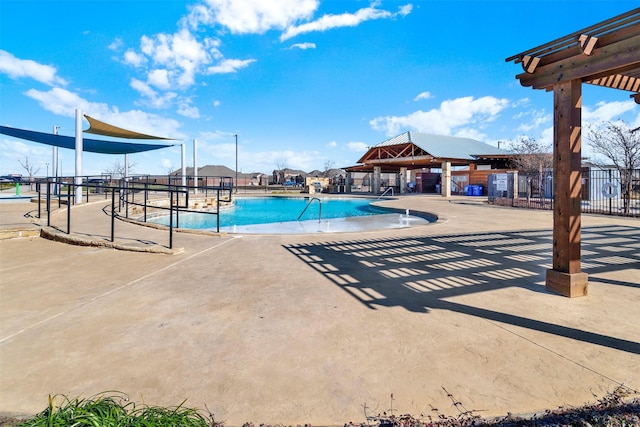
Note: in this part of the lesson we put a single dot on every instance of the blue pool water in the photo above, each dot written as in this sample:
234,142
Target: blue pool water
266,210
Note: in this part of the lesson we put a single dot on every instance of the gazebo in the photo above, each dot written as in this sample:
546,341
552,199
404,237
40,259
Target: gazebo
606,54
418,151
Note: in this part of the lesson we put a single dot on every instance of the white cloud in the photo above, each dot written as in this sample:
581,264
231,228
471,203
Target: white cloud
332,144
452,115
132,58
229,66
58,101
358,147
159,79
187,109
607,111
152,98
220,148
143,88
116,44
15,151
327,22
254,16
303,46
167,165
20,68
198,15
472,133
539,118
305,160
180,53
217,103
217,136
423,95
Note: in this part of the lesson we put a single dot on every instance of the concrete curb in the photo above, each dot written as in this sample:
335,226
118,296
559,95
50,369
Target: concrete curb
15,233
51,233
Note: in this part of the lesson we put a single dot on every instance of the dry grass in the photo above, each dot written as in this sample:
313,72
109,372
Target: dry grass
620,408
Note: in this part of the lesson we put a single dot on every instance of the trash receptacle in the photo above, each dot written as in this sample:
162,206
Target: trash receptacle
477,190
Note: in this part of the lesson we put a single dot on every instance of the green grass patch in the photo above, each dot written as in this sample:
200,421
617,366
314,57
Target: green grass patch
114,410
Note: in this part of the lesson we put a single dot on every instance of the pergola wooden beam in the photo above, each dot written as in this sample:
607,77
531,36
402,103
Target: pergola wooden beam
605,54
605,60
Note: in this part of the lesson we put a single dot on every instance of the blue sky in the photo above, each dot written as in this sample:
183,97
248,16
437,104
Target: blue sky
303,83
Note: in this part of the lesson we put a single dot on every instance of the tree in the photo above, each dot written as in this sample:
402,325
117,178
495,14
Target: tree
30,168
117,169
328,165
620,145
531,156
278,174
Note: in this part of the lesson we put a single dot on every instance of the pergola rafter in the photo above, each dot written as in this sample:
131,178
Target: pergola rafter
606,54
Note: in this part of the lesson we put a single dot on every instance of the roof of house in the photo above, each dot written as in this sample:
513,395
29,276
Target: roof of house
446,147
213,170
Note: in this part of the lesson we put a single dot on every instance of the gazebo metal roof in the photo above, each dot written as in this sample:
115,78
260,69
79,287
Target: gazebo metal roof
422,150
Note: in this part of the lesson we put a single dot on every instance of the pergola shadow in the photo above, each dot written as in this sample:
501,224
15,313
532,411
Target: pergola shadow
421,273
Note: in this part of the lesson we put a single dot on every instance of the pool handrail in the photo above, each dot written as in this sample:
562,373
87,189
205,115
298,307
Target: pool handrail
385,192
309,204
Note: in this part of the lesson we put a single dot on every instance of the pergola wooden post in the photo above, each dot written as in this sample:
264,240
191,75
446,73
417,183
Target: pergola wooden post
565,277
605,54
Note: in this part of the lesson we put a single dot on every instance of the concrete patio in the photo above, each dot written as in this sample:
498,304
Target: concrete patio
310,328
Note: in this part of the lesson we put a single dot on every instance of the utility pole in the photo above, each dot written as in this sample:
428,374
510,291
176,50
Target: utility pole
236,182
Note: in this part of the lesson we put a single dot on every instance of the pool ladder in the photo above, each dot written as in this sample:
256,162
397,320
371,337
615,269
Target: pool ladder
385,192
309,204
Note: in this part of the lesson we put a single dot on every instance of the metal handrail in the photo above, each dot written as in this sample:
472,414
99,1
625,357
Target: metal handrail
126,197
385,192
309,204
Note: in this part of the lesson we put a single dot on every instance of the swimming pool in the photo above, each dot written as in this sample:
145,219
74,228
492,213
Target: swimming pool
280,215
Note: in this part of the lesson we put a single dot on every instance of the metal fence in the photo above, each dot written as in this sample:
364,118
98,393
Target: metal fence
604,191
132,194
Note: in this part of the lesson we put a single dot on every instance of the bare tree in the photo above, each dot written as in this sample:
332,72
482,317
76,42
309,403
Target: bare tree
278,174
328,165
620,145
117,169
30,168
531,156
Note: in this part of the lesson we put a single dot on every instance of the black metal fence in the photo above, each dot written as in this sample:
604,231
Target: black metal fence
604,191
131,193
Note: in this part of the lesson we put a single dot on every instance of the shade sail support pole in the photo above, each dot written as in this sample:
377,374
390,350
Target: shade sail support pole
195,166
184,164
54,163
78,149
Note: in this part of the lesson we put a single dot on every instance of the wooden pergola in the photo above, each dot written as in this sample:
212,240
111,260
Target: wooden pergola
605,54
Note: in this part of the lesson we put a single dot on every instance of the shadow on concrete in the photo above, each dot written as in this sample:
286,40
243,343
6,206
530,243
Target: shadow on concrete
420,273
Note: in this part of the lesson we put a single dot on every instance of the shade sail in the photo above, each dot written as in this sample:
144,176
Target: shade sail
101,128
89,145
